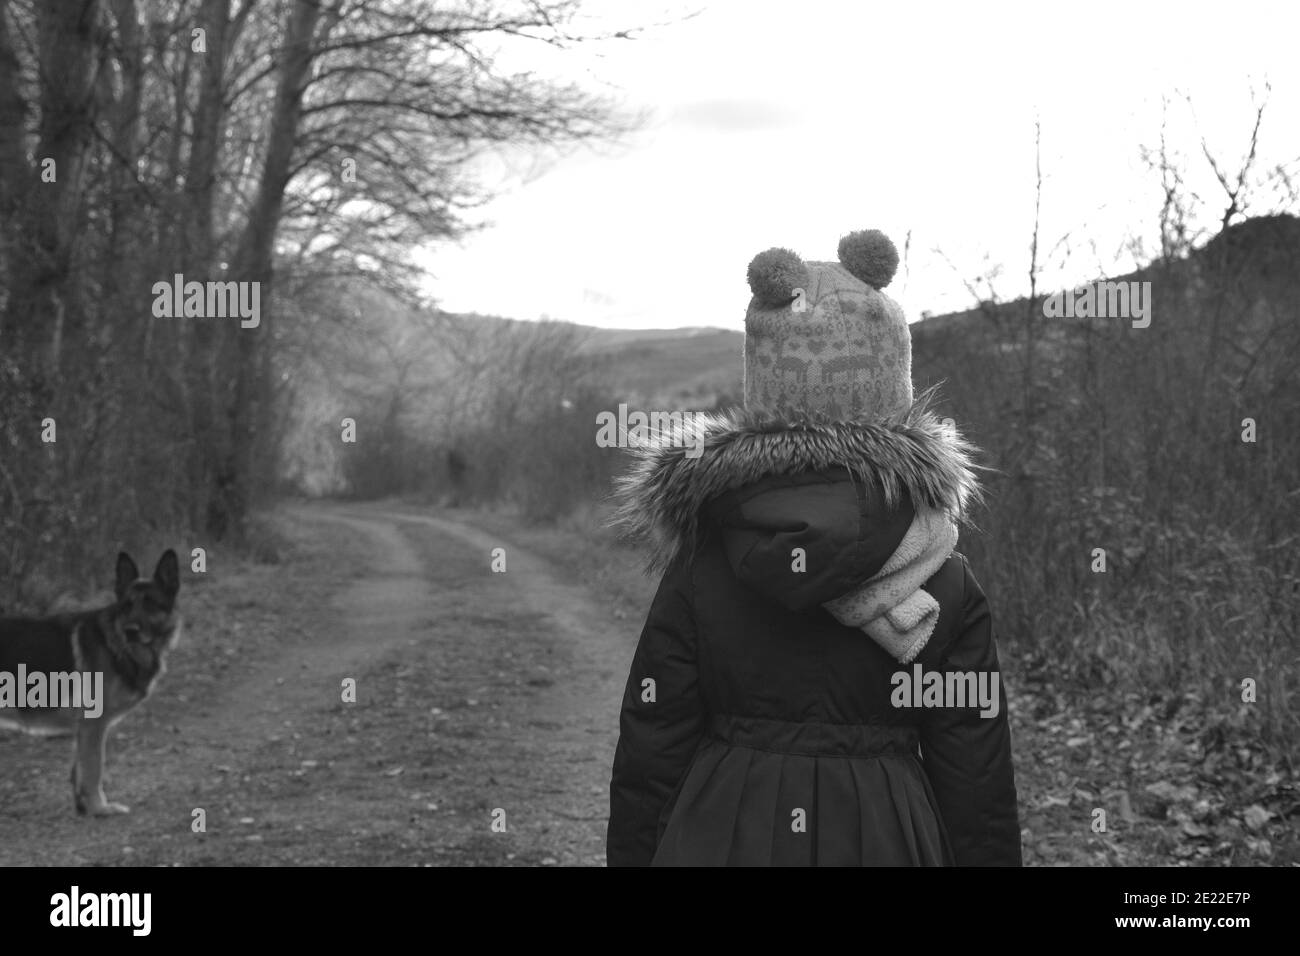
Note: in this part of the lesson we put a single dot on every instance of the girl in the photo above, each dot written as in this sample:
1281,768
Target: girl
817,681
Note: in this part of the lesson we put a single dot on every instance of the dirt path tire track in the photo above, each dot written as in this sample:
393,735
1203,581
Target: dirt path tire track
570,723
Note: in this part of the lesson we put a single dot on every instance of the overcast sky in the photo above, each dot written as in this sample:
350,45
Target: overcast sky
792,123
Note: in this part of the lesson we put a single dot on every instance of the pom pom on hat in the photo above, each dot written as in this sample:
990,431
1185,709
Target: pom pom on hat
869,256
774,275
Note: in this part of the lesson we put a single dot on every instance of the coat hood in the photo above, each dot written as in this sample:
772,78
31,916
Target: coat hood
845,492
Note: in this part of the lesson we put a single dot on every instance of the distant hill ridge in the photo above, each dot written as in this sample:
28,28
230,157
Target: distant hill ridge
698,367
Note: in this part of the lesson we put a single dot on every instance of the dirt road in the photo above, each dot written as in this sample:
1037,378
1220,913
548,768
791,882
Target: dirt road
481,697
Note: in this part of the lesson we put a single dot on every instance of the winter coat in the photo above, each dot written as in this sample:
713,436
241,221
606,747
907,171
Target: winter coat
755,728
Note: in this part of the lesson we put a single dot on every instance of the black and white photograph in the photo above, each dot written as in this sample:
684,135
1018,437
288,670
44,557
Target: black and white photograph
559,434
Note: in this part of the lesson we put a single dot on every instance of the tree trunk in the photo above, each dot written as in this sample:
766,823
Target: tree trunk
254,259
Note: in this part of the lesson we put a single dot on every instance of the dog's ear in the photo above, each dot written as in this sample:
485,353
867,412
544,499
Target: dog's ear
168,574
127,572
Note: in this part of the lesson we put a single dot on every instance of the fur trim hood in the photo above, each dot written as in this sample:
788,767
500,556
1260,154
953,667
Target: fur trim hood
662,498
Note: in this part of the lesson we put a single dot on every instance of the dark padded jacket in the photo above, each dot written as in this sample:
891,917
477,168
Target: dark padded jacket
758,730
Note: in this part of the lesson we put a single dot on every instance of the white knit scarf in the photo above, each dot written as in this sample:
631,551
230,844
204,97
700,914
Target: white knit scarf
891,607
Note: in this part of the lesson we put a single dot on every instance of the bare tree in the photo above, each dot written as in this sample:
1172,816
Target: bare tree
217,139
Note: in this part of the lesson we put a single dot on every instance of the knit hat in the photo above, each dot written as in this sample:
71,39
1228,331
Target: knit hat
822,337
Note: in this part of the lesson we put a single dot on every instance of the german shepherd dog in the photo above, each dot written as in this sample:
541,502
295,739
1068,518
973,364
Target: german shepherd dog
123,645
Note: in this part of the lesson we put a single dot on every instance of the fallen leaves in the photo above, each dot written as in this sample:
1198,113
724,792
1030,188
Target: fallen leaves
1177,785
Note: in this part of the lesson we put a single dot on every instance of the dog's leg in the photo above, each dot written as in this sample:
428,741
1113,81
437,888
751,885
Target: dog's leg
76,792
88,770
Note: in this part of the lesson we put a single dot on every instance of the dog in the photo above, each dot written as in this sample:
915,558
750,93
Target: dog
121,649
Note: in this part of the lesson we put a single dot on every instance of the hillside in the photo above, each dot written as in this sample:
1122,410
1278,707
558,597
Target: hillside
695,368
699,366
